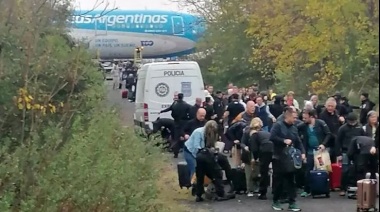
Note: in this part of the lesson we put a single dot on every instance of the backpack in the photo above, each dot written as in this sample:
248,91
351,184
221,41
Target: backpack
293,159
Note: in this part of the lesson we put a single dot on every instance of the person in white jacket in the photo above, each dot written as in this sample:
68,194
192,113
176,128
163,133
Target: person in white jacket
115,76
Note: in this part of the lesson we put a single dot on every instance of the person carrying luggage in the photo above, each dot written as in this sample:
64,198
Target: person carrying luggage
196,142
207,160
334,121
346,133
315,135
258,145
362,151
285,135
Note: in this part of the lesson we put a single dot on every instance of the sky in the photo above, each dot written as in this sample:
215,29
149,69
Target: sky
167,5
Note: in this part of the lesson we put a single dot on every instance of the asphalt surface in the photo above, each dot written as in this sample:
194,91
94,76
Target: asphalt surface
241,203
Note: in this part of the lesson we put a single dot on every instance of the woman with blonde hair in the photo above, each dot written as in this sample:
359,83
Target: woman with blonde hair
257,147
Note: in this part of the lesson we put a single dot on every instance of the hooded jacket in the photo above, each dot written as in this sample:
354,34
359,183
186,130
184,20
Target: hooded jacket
345,135
360,145
277,108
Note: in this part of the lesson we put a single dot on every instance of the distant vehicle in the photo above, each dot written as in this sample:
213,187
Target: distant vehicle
156,85
116,34
107,72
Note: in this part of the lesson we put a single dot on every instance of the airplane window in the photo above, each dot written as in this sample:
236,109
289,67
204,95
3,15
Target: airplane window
137,26
161,26
128,26
151,26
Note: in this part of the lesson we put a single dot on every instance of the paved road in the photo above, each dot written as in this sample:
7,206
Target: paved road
241,203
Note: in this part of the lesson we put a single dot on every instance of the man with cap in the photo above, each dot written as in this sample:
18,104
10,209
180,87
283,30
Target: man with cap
366,106
346,133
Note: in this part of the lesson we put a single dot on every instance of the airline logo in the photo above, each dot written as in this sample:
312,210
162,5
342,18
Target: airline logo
147,43
112,20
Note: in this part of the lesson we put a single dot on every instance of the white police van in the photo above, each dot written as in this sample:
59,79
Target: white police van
156,85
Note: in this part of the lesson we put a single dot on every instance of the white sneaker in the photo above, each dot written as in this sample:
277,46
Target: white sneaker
250,194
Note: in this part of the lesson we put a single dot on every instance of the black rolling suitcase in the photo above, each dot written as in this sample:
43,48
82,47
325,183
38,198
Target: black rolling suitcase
183,175
239,181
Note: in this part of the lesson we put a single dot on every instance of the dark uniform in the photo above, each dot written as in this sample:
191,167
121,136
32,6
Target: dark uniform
180,113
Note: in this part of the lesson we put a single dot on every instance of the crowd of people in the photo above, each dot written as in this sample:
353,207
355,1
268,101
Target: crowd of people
124,74
261,126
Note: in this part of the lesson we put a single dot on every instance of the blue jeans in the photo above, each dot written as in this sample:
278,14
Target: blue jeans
191,162
266,129
309,167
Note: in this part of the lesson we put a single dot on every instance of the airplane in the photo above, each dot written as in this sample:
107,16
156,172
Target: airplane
117,34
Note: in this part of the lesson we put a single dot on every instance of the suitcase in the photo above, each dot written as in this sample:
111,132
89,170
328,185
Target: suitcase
238,180
319,183
335,175
236,156
377,180
366,195
124,94
183,175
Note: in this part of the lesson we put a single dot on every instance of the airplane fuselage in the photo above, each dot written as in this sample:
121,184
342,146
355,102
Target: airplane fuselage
116,34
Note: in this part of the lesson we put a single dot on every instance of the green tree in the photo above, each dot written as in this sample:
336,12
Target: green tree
328,45
225,48
61,148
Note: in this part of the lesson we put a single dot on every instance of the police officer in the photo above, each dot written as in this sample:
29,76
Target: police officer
180,113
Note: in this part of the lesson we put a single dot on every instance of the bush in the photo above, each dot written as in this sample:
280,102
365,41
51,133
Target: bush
101,168
61,148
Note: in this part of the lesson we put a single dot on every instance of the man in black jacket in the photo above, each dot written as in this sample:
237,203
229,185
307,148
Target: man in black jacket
333,120
284,134
219,107
234,108
180,113
362,151
315,135
198,121
366,106
219,110
345,135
